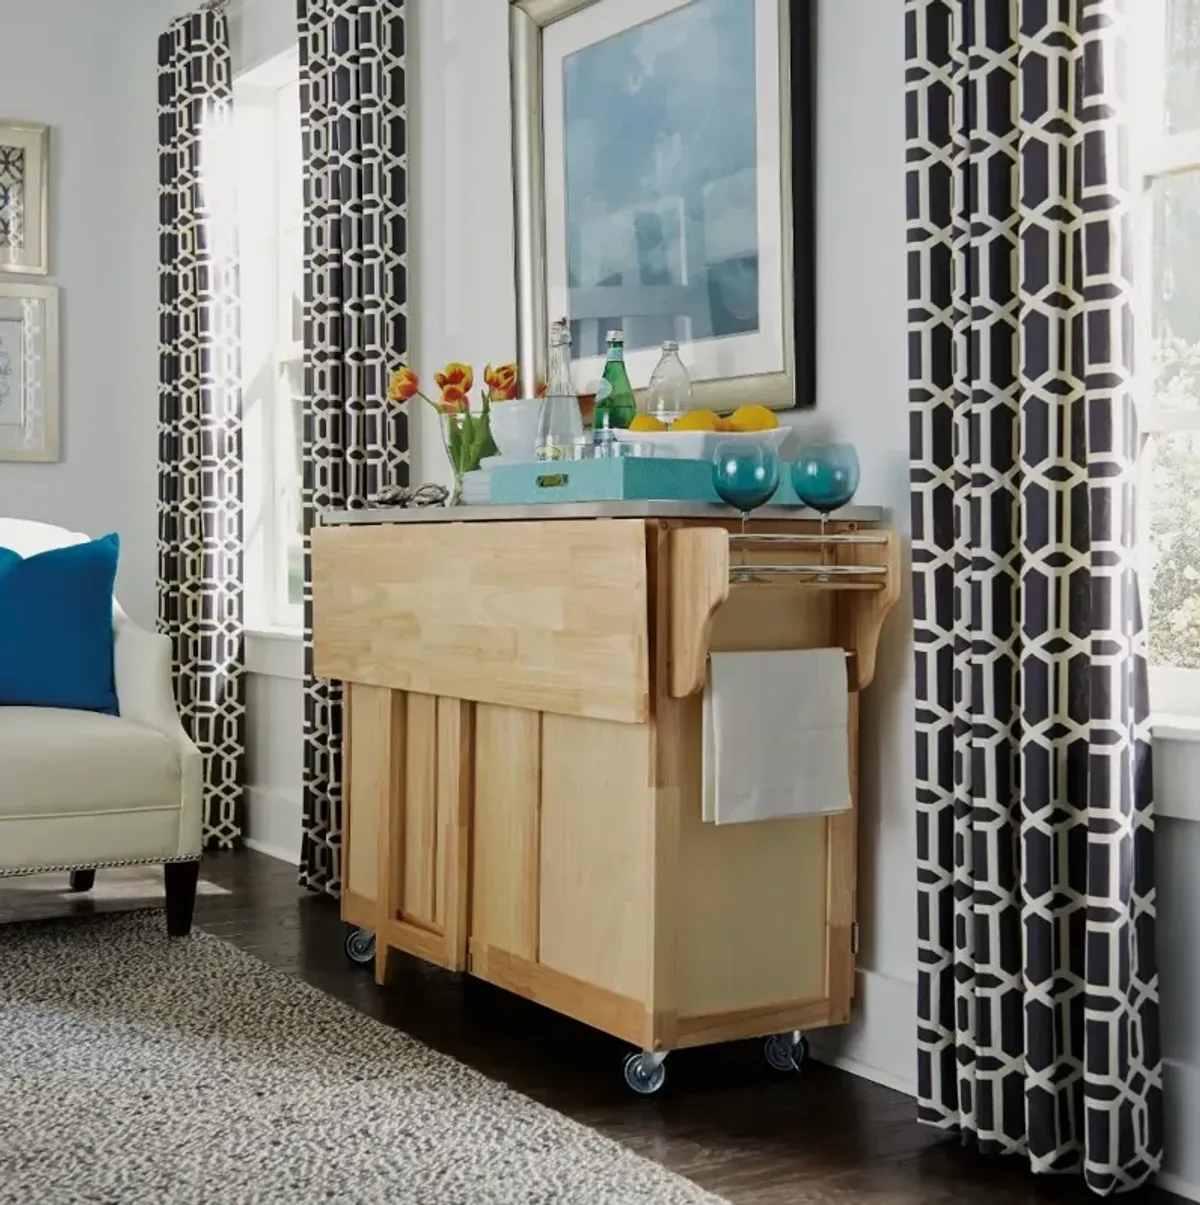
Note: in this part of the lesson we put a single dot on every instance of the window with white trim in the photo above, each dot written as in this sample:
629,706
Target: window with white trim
271,251
1165,40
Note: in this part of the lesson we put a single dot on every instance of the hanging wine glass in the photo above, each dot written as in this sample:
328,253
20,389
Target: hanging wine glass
825,477
745,475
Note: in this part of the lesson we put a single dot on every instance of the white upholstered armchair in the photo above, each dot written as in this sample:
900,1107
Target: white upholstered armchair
81,790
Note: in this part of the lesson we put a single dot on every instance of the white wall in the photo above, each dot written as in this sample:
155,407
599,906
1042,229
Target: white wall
259,30
88,70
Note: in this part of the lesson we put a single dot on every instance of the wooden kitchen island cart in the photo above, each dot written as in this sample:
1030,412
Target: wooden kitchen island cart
522,758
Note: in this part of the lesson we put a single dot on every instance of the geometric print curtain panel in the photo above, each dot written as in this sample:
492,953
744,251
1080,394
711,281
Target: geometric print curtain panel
199,401
354,119
1037,982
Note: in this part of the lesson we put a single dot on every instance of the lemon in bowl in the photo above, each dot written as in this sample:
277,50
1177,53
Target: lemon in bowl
752,418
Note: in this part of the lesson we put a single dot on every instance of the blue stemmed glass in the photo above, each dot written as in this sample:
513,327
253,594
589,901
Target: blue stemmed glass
825,477
745,475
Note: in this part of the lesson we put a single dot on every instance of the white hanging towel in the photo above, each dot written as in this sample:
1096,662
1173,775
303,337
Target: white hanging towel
775,736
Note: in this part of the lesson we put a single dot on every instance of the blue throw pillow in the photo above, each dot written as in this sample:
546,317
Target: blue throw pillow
56,636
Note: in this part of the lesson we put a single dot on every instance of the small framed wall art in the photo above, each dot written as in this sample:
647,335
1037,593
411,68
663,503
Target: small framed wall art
29,382
24,198
663,185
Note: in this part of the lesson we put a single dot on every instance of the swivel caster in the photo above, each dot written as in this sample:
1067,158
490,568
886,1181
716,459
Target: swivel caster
360,947
645,1073
786,1051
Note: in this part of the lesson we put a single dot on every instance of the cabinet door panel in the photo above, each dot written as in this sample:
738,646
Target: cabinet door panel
407,821
506,829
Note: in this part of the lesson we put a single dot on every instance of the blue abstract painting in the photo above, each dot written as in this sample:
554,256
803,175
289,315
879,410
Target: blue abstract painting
660,162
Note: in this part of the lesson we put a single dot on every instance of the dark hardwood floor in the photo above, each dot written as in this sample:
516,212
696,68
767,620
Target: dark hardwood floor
724,1120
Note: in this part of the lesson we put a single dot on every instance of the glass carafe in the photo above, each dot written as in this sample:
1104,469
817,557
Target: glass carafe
560,422
669,394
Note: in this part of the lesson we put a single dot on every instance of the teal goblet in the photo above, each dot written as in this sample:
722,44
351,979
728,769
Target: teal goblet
825,477
745,475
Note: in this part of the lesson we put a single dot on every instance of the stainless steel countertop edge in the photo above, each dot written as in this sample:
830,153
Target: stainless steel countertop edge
585,510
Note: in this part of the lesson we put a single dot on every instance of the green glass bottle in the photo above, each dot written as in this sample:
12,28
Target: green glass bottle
619,409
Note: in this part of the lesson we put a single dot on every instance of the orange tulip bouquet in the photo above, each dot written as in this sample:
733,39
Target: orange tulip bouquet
466,436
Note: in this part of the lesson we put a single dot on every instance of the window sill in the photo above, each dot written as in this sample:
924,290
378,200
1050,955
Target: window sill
1169,727
275,653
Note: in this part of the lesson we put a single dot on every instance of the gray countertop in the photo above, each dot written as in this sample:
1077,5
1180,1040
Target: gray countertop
586,510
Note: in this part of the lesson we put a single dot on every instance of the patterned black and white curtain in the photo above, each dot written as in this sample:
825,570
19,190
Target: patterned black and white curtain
1038,989
352,95
199,399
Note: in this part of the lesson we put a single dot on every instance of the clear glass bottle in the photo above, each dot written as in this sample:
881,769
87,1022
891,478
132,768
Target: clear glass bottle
669,394
560,423
619,409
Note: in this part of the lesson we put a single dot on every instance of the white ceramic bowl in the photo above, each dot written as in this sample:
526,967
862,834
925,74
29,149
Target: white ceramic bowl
514,427
702,445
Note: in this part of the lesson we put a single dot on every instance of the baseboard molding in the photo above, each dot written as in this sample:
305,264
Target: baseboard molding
874,1075
1181,1188
271,851
879,1044
1181,1117
274,823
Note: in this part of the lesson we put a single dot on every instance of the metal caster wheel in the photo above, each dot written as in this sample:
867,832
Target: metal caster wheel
645,1073
786,1051
360,947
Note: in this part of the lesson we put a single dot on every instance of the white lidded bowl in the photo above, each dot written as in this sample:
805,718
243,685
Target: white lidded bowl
514,427
702,445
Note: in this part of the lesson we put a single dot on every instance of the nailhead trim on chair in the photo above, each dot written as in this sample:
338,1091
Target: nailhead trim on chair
14,874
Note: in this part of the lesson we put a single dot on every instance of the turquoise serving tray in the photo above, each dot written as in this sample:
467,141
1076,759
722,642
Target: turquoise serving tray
630,479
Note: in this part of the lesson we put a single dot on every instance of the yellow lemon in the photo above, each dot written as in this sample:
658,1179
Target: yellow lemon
696,420
752,418
647,422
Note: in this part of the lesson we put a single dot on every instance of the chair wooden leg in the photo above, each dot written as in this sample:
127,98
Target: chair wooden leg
83,880
180,879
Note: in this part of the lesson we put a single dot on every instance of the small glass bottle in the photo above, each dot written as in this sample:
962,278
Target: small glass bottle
560,423
619,409
669,395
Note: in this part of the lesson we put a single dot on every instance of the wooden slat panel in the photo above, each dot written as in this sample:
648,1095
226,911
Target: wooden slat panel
372,783
421,943
418,898
667,780
699,584
597,845
506,829
752,907
546,615
380,715
359,911
843,878
454,827
610,1012
752,1022
362,792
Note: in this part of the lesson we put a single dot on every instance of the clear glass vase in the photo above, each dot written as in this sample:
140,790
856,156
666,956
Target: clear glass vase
467,439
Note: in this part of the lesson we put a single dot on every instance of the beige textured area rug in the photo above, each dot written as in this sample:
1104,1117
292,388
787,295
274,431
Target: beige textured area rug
137,1070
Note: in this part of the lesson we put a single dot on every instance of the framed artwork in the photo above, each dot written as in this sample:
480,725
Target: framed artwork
29,381
663,180
24,199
